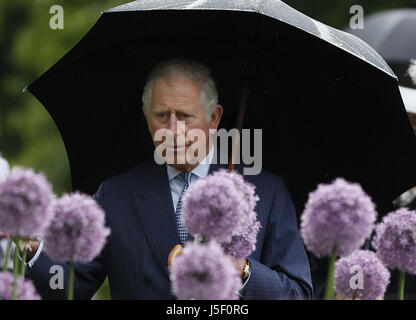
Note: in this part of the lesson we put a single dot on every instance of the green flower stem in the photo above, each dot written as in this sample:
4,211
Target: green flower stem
329,291
401,285
6,258
22,263
15,272
70,293
16,261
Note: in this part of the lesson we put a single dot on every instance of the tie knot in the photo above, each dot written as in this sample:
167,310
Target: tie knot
187,177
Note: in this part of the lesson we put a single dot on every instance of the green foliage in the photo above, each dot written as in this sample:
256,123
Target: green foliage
28,47
103,293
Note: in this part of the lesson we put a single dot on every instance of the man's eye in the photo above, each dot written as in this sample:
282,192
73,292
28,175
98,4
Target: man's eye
162,115
183,116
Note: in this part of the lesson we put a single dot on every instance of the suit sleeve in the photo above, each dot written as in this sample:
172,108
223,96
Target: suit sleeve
88,277
283,272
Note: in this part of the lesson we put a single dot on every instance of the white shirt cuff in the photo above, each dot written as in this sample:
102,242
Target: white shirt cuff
35,257
242,289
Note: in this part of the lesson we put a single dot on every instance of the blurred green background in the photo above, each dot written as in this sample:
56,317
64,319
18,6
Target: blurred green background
28,47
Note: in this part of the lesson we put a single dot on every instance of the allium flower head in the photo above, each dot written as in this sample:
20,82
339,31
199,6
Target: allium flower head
248,189
242,245
204,272
375,279
26,200
395,240
25,289
4,169
214,208
77,232
340,214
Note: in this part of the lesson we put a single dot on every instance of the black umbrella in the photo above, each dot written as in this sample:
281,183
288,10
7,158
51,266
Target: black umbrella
313,90
392,33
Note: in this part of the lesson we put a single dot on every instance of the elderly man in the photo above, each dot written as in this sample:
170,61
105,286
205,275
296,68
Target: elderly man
143,206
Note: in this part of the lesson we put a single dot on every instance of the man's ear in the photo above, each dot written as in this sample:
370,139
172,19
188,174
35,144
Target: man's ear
147,118
216,117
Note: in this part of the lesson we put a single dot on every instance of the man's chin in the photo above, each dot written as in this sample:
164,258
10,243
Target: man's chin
181,167
180,163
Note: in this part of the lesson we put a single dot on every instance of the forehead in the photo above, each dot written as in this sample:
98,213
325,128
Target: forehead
176,90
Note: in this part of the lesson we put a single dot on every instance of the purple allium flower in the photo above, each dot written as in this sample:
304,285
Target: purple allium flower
395,240
242,245
213,208
26,200
247,188
77,232
375,278
340,214
25,289
204,272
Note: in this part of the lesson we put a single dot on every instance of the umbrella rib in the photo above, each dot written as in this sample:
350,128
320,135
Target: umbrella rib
240,120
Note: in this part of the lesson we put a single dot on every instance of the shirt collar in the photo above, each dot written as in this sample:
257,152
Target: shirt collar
201,170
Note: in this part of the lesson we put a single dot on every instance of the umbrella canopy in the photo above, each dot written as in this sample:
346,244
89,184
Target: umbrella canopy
325,130
392,33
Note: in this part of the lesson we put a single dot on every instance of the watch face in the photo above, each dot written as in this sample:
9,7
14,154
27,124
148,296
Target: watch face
246,271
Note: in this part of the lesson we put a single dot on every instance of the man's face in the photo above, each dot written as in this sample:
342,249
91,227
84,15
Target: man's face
178,99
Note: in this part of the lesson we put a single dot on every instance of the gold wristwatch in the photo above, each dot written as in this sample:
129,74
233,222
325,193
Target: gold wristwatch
246,271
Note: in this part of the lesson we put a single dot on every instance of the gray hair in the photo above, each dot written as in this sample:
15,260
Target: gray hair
189,69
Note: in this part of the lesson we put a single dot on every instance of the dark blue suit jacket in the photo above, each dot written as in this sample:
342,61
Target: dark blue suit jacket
140,213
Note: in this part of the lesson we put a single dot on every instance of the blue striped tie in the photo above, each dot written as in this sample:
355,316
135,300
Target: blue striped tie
183,233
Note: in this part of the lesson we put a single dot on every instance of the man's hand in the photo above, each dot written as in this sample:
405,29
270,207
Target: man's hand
239,264
177,250
34,246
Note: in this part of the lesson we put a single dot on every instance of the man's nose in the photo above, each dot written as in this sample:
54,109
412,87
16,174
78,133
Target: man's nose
172,124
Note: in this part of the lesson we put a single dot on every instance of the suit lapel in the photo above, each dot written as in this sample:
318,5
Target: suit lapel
214,167
155,211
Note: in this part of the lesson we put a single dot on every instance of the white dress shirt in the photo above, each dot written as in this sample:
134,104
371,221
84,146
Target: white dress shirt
176,185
